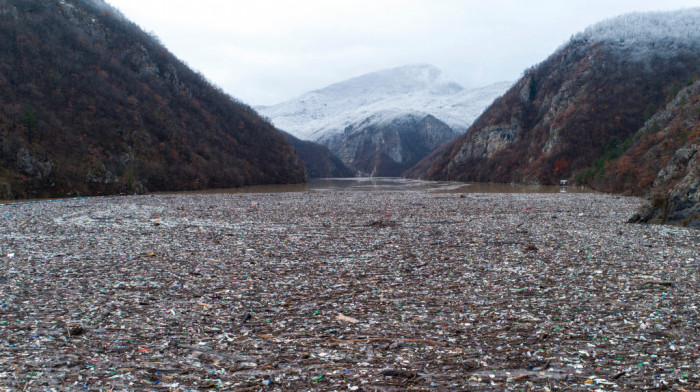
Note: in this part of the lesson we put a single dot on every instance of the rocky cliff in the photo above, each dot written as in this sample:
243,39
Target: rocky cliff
663,163
388,148
90,104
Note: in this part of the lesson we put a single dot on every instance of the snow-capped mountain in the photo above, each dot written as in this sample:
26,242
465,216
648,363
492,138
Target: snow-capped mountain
415,99
419,90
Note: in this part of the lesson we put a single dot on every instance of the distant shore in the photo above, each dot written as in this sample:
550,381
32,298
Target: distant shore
363,183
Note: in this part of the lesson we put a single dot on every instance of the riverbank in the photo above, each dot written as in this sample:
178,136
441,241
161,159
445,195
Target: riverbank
346,290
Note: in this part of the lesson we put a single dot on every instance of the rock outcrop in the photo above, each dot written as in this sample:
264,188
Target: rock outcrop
680,205
664,162
388,148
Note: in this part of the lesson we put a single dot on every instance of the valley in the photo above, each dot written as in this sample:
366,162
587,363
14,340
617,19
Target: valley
392,231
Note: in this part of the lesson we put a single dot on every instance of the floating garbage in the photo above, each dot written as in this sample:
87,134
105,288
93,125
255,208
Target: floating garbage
353,290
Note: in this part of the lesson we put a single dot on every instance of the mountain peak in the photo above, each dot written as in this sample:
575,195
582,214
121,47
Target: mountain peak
394,81
383,122
381,95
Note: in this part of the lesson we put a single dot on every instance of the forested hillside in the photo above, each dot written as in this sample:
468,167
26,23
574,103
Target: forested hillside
319,161
570,115
91,104
662,161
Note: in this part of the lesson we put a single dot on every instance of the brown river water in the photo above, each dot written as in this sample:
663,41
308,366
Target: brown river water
377,184
384,184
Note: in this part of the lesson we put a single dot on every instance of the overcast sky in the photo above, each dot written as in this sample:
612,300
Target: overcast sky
264,52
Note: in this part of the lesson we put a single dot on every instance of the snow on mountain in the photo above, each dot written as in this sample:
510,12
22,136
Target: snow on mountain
417,90
648,34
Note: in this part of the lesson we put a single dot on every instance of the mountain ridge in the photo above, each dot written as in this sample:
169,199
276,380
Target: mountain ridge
584,85
395,90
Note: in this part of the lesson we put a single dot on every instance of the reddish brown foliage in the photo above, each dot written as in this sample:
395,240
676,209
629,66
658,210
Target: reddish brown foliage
94,120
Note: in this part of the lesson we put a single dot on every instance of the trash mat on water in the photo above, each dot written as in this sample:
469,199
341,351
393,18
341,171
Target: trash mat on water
327,291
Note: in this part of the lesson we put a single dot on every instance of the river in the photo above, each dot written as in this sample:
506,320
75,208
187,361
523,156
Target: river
384,184
401,185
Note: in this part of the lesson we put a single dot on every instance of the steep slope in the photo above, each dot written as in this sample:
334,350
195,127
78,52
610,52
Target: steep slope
567,117
663,163
90,104
319,161
351,117
388,147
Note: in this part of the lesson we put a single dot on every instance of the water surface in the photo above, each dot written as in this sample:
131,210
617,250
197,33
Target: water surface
378,184
404,184
397,184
